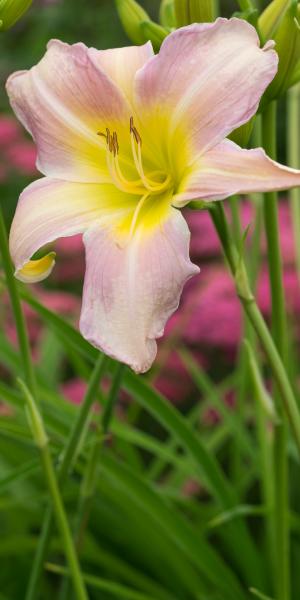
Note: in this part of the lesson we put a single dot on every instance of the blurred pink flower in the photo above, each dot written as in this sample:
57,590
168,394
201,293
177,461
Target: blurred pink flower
64,303
22,156
69,270
74,390
9,130
204,240
3,172
60,302
70,245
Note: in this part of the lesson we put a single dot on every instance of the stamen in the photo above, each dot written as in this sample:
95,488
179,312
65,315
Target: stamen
133,187
116,144
152,186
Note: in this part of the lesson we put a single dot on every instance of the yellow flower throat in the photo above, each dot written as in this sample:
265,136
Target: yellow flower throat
145,185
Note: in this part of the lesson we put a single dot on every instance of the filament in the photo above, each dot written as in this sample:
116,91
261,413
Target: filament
136,214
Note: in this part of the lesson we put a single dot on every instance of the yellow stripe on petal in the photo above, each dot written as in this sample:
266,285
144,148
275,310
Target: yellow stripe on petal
37,270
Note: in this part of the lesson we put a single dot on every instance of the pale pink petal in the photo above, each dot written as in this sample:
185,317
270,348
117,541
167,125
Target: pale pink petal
63,101
130,291
48,209
228,169
206,80
121,64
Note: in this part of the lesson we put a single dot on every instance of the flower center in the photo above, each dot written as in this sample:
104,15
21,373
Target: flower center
145,184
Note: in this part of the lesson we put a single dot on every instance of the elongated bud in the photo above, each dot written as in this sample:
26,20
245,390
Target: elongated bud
11,11
167,13
34,417
270,19
287,40
194,11
132,15
154,32
261,393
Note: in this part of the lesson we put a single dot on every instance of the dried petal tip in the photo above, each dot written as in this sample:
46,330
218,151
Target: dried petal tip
270,45
11,11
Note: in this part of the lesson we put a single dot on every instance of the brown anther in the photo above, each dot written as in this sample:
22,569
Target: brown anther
110,141
135,132
115,143
101,134
137,136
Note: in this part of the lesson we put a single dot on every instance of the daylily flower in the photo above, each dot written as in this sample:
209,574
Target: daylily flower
125,139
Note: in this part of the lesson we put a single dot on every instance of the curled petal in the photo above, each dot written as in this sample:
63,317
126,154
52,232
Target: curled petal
48,209
130,291
37,270
207,79
63,102
228,169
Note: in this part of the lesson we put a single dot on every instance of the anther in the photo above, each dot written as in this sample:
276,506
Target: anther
115,143
135,132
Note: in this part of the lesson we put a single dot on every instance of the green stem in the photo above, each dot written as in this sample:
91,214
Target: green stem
67,458
17,310
264,435
41,440
235,218
279,329
90,475
279,321
89,481
63,526
259,324
293,144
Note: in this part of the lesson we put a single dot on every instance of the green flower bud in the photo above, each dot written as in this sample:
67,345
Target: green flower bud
194,11
34,417
167,13
11,11
154,32
270,19
132,15
287,39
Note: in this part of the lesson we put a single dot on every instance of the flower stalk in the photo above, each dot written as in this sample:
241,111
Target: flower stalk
293,145
66,460
279,328
21,328
258,323
41,440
